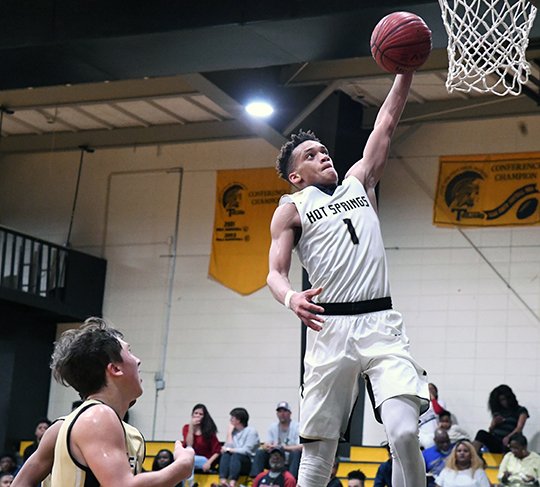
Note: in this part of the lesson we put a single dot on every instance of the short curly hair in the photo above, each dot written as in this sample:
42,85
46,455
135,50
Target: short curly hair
283,162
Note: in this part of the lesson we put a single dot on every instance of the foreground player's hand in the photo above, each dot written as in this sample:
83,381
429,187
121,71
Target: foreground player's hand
303,306
182,454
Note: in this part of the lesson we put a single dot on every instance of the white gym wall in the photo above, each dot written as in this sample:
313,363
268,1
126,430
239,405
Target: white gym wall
466,327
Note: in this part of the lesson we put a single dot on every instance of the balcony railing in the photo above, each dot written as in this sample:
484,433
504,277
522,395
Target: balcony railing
49,276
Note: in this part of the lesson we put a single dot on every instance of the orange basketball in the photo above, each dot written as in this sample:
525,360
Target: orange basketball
401,42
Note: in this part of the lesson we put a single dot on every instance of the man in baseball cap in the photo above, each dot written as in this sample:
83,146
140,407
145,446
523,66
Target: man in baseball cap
277,475
284,434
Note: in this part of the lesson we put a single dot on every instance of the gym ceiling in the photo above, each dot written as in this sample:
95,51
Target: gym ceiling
111,73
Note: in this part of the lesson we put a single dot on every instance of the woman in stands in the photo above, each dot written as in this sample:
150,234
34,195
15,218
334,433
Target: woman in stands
464,468
162,459
201,434
508,418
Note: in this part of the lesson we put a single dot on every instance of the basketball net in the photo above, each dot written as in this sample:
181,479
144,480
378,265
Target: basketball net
487,40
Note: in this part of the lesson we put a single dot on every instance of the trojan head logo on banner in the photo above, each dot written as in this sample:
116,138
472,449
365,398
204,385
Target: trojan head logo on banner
488,190
245,202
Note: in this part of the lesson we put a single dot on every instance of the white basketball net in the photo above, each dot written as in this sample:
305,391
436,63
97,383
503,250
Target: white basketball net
487,40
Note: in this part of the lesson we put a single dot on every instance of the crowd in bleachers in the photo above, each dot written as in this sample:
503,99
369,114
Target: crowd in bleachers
453,458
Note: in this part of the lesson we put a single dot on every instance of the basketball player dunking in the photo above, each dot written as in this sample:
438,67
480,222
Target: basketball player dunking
352,327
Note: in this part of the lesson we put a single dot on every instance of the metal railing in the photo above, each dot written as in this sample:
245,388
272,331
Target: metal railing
31,265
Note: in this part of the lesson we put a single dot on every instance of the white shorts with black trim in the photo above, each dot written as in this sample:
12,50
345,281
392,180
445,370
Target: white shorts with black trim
373,345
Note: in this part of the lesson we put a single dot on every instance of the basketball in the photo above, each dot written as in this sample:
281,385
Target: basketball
400,42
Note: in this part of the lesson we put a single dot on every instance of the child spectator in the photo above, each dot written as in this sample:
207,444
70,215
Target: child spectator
455,432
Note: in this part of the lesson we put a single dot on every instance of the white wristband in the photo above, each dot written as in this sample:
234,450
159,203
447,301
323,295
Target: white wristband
288,296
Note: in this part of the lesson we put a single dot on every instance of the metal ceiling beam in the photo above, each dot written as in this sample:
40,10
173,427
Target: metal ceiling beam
459,110
324,72
102,92
125,137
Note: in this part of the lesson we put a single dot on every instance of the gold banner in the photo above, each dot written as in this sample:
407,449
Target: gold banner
245,202
488,190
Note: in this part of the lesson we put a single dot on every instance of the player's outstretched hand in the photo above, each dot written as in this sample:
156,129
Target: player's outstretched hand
302,305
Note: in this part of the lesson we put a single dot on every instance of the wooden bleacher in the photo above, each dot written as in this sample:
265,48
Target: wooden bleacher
365,458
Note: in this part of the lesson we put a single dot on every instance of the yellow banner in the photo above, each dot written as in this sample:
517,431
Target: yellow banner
245,202
488,190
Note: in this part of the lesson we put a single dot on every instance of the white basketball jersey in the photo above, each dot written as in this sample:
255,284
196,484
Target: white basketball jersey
341,245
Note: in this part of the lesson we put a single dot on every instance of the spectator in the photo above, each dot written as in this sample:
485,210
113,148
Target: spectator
282,433
383,478
5,479
41,427
435,456
464,468
238,451
428,420
201,435
508,418
356,478
519,467
8,463
278,474
455,432
334,481
162,459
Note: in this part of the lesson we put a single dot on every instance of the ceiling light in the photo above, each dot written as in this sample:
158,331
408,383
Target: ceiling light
260,109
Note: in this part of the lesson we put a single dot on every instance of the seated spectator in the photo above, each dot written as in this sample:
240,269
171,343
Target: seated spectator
519,467
508,418
41,427
162,459
278,474
455,432
383,478
5,479
8,464
284,433
334,481
356,478
435,456
464,468
201,435
428,420
238,451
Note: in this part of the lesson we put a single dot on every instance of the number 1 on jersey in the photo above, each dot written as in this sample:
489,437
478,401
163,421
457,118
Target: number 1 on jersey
350,227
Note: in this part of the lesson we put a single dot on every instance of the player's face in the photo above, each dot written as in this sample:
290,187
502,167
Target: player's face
312,165
355,483
130,368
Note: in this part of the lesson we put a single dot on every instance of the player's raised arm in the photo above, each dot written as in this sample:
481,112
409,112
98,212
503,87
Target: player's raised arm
282,230
369,169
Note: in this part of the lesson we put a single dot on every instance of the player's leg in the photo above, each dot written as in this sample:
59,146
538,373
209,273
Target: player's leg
316,463
329,391
400,418
294,462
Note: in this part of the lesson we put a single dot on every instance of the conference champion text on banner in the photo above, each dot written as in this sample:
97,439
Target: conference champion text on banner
245,202
488,190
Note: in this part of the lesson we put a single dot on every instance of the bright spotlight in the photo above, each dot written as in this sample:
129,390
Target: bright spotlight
260,109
